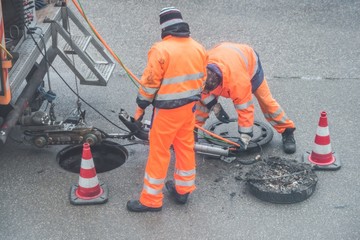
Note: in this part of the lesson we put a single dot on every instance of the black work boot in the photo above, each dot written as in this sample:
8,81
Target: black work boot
136,206
288,140
179,198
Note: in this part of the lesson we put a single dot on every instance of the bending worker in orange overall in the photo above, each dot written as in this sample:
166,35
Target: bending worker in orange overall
234,71
172,82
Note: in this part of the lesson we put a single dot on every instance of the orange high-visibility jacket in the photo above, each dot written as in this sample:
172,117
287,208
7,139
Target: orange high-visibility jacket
171,80
242,74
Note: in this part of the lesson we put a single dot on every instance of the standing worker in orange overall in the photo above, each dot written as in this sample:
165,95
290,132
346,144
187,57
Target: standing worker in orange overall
234,71
172,82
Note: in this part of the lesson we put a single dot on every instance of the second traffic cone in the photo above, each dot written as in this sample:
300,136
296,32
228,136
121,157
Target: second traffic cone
89,190
322,156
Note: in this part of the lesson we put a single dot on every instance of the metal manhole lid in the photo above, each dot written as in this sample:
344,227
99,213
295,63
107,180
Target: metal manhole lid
280,180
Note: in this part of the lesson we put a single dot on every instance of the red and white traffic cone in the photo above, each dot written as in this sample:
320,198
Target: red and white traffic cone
89,190
322,156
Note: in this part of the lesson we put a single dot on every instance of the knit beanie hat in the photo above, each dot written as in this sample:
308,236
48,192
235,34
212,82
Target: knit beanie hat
213,78
214,68
170,16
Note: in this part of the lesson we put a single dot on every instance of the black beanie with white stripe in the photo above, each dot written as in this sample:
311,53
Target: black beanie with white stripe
170,16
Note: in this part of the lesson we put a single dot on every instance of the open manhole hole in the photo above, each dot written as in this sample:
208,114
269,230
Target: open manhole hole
106,155
280,180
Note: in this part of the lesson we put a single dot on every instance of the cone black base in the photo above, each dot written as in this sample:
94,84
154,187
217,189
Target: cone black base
336,165
75,200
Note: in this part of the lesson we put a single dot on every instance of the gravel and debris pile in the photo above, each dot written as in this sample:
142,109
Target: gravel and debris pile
282,176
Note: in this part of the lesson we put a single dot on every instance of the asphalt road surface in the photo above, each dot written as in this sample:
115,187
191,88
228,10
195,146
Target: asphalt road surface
310,52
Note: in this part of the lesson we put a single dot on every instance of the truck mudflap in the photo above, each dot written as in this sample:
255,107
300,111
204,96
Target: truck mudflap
137,128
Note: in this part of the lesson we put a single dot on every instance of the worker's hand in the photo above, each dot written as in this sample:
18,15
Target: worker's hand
220,113
244,141
139,114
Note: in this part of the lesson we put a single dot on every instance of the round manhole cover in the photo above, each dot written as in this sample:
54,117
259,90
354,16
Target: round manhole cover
280,180
107,156
263,133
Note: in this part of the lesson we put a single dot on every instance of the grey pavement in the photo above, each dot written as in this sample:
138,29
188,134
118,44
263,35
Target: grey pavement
310,52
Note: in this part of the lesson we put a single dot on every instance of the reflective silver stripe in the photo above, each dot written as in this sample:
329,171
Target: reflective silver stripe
184,183
238,51
154,180
208,99
322,149
200,119
87,164
88,182
244,105
151,191
281,121
321,131
185,173
181,79
202,108
256,66
245,129
141,97
175,96
273,123
150,90
273,115
156,111
171,22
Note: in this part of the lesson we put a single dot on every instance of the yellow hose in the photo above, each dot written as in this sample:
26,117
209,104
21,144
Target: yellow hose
103,41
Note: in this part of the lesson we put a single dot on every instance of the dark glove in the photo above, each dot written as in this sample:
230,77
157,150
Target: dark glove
244,141
196,137
139,114
220,113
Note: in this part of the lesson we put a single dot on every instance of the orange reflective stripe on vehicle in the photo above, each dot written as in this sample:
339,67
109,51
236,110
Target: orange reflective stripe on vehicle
5,93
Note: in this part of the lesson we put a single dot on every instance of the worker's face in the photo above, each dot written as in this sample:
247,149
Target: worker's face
212,81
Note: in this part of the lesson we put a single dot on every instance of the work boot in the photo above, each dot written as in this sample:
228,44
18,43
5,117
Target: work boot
288,140
136,206
179,198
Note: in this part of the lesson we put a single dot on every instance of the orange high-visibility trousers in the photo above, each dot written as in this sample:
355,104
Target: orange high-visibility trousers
271,109
170,127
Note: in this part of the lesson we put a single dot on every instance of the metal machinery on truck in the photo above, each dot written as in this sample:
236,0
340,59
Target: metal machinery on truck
25,60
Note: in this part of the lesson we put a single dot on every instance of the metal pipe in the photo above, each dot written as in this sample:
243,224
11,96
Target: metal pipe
26,96
211,150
